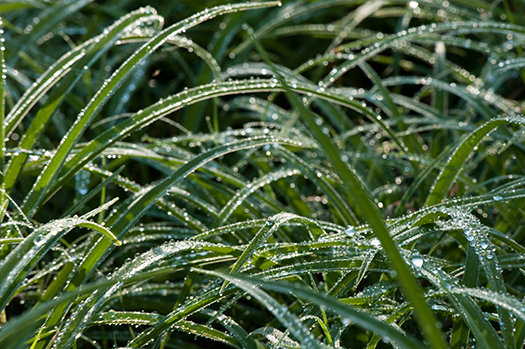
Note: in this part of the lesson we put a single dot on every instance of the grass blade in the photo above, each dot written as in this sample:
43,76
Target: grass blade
117,79
373,216
252,286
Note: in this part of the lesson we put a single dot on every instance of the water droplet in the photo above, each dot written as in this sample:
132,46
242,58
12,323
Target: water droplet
417,262
350,231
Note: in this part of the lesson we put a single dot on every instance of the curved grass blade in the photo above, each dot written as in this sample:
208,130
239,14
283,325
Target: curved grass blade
469,94
242,194
108,89
17,331
195,304
352,20
455,163
62,67
339,203
3,72
372,215
168,105
499,299
301,332
158,258
460,331
419,180
76,65
235,329
49,18
469,311
11,240
186,43
271,225
35,245
251,286
57,284
372,75
277,338
164,204
92,193
11,5
140,318
123,221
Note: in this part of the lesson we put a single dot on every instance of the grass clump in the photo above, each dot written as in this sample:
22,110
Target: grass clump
319,174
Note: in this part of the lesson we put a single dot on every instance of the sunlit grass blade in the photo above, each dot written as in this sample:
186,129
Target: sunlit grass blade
3,71
75,64
34,246
11,5
48,18
17,331
455,163
108,89
372,215
252,286
125,219
150,114
140,318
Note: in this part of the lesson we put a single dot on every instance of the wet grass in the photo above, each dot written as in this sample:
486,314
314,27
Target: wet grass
332,173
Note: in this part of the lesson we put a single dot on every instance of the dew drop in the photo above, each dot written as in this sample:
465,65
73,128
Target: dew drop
417,262
350,231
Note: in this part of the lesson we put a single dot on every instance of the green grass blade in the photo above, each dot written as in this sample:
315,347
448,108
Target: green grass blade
460,331
412,144
296,327
12,5
423,175
92,193
142,264
108,89
373,216
3,72
236,330
439,97
34,246
122,222
242,194
58,283
455,163
271,225
252,285
335,198
76,63
469,311
140,318
18,330
154,112
48,18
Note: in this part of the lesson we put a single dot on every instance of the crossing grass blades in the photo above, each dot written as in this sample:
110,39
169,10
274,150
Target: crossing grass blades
334,173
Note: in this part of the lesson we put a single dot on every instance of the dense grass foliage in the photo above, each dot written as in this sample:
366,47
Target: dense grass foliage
332,173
